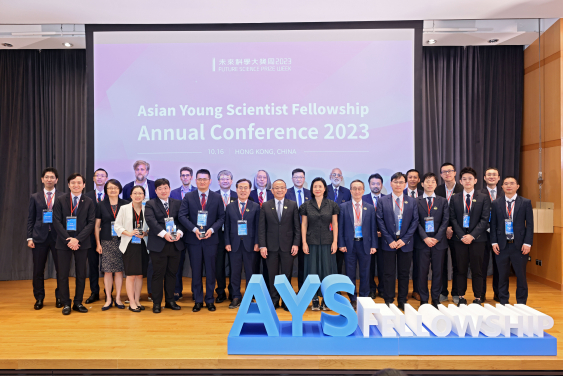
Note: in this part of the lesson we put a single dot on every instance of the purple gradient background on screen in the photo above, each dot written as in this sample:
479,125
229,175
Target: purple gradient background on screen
378,74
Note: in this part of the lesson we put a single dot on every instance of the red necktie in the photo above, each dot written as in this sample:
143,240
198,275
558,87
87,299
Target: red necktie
203,201
261,198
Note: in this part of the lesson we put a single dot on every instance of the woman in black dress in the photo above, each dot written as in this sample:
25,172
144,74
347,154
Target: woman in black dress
107,241
319,229
131,226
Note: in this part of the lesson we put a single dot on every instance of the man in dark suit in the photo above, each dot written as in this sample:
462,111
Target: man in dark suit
397,219
357,238
448,190
375,182
414,191
430,239
262,193
469,216
512,212
241,237
299,194
203,216
164,244
142,169
41,235
186,174
339,194
279,236
97,195
225,178
74,216
492,177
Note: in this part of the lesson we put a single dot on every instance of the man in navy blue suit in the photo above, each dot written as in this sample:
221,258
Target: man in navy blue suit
41,235
375,182
299,194
397,219
430,240
512,233
142,169
186,174
225,178
241,237
339,194
414,191
202,215
357,238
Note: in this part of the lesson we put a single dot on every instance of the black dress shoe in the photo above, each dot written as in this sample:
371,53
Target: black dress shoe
197,307
235,303
461,301
496,298
142,308
435,303
172,306
401,306
372,294
156,308
211,307
79,308
284,307
59,303
354,305
477,301
483,299
38,304
66,310
276,305
93,298
422,303
136,310
221,298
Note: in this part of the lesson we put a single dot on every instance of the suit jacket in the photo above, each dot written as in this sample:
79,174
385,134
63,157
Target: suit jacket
386,222
440,211
500,192
191,204
343,194
129,187
92,195
85,215
478,216
154,217
124,222
275,234
441,190
522,222
254,196
368,198
233,197
292,194
252,218
177,193
36,229
104,212
346,226
418,189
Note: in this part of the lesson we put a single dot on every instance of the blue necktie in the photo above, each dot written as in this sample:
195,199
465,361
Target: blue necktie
336,194
99,197
242,204
397,213
468,203
299,197
75,202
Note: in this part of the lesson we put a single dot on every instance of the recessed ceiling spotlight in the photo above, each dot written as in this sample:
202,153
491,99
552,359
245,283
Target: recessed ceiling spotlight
493,40
67,44
431,41
7,45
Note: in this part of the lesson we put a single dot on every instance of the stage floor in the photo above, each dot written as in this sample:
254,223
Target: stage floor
123,340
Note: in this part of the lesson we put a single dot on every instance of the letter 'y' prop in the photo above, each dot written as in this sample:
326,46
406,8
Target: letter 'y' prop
297,304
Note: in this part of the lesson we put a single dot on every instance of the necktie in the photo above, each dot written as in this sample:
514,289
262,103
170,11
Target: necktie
412,194
49,202
375,198
75,203
356,219
299,197
468,203
397,211
429,200
166,206
203,201
99,196
336,194
226,201
509,203
261,198
279,211
242,205
494,194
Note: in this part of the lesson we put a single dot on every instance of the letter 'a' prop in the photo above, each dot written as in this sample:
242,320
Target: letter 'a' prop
297,304
346,322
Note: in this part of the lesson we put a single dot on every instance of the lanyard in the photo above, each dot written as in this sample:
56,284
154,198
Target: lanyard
358,214
49,200
72,209
430,207
402,205
509,210
137,217
116,210
465,203
240,209
451,193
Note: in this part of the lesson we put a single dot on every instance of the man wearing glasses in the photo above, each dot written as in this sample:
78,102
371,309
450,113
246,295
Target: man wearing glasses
299,194
186,174
97,195
225,178
203,216
340,195
447,190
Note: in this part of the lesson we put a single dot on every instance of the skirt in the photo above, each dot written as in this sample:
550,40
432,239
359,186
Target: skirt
320,261
136,259
112,258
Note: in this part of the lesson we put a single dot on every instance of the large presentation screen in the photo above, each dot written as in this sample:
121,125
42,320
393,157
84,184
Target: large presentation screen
245,101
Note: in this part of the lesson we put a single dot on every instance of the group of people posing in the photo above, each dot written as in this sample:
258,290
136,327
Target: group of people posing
143,229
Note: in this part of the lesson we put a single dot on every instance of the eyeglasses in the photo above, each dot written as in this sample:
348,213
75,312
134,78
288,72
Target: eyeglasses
278,188
397,182
202,180
243,188
224,179
446,172
185,175
357,189
336,175
299,177
112,188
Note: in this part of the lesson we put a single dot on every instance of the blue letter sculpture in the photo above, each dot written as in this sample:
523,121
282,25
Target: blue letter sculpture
346,323
297,304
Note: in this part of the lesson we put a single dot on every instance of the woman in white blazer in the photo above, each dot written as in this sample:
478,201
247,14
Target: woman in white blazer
131,226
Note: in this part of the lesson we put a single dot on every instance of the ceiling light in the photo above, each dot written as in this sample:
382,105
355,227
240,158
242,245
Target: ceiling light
67,44
7,45
431,41
493,40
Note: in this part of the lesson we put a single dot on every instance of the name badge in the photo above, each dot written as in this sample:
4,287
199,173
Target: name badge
509,229
202,218
358,232
466,221
400,217
71,223
169,224
242,228
47,216
429,224
113,233
135,240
